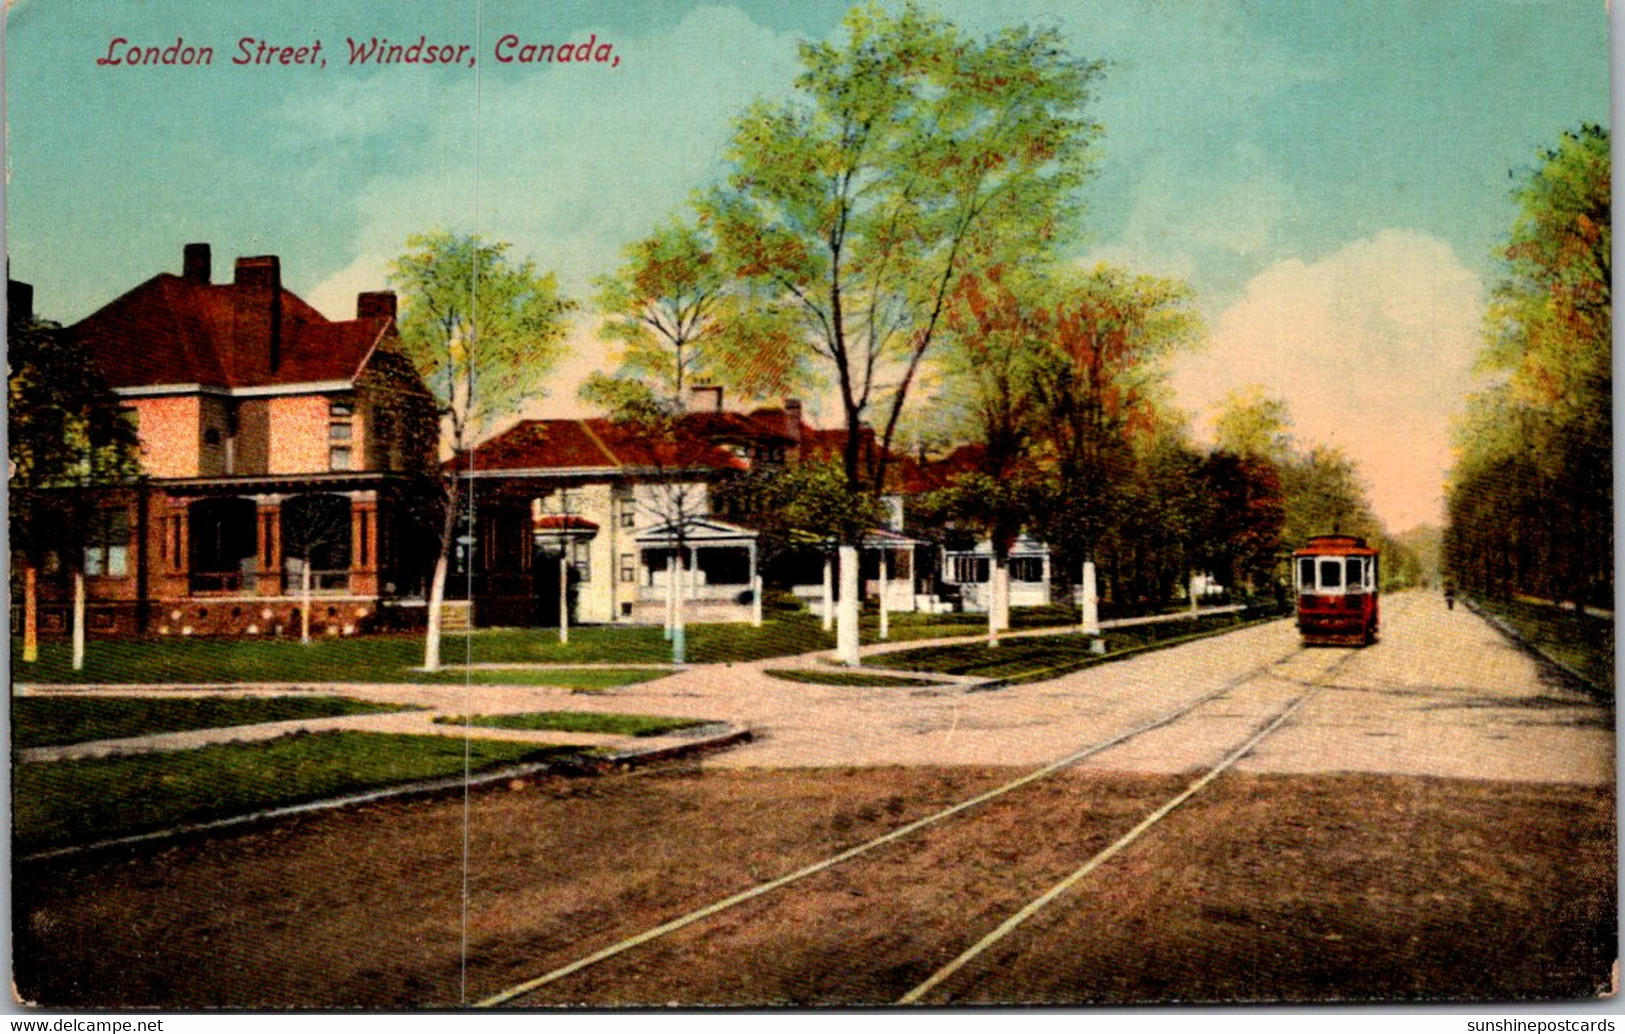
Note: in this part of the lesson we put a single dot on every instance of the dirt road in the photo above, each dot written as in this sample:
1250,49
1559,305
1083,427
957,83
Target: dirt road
1435,822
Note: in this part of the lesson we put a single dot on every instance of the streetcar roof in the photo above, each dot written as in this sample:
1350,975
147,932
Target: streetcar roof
1336,545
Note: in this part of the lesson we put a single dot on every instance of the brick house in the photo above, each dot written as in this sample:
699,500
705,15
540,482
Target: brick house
272,440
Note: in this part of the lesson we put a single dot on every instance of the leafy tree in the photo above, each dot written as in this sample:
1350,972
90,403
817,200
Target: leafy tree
910,154
483,331
1531,499
681,322
67,437
1100,388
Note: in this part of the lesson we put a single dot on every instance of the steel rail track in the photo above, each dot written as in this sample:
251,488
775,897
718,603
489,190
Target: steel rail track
1033,907
527,987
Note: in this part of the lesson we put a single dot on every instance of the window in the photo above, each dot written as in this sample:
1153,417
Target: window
340,431
1306,574
1027,569
629,568
107,544
581,556
1356,574
969,569
629,514
1331,574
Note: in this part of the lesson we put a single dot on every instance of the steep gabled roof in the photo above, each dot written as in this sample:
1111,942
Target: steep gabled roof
174,330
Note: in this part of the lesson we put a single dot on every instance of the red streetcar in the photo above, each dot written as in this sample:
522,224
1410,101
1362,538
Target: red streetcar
1337,590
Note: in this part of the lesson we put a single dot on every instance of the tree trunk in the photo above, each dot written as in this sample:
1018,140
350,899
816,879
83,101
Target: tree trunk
30,614
679,633
848,608
437,585
998,602
671,596
304,602
1091,605
437,599
78,621
885,586
564,595
828,616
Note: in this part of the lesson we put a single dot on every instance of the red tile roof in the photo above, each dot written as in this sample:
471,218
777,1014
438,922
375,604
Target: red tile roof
597,443
171,330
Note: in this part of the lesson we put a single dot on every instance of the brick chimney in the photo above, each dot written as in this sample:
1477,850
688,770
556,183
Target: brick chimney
196,263
19,300
792,421
259,309
372,305
697,396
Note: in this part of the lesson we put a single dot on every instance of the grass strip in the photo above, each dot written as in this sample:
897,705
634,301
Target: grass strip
847,678
577,721
1016,661
1582,642
56,803
54,721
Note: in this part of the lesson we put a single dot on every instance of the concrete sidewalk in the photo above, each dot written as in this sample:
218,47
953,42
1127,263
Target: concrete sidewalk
431,701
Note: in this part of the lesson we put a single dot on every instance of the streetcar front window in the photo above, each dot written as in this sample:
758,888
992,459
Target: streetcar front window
1356,574
1306,574
1331,574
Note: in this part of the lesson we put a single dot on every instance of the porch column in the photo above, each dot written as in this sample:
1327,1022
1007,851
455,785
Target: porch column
364,544
829,595
268,515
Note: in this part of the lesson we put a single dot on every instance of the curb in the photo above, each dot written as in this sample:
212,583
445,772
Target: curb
722,737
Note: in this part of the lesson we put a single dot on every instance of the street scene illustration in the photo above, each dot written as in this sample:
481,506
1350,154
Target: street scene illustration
747,504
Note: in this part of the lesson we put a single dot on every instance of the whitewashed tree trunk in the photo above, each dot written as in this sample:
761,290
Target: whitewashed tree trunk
1091,605
304,602
848,608
78,621
679,633
828,617
564,596
998,604
671,595
437,603
885,589
1193,594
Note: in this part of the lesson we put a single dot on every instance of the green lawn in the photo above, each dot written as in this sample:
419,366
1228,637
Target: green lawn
1046,657
836,677
65,802
1583,642
47,721
577,721
392,658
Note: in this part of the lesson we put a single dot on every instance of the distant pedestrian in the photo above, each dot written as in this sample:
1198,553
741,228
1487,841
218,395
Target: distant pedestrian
1450,595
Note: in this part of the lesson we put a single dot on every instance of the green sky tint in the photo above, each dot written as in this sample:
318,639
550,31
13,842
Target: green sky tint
1243,141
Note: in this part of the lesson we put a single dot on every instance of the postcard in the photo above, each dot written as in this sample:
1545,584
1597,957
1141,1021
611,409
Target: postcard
869,504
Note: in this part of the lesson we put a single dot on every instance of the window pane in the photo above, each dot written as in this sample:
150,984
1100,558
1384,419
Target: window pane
1306,574
1331,574
339,432
118,561
338,458
1356,573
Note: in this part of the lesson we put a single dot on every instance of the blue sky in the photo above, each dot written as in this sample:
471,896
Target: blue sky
1332,178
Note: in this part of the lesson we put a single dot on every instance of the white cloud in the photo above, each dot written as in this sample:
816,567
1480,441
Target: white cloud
1372,349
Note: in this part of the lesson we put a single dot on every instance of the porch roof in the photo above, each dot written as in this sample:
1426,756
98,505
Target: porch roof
698,531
